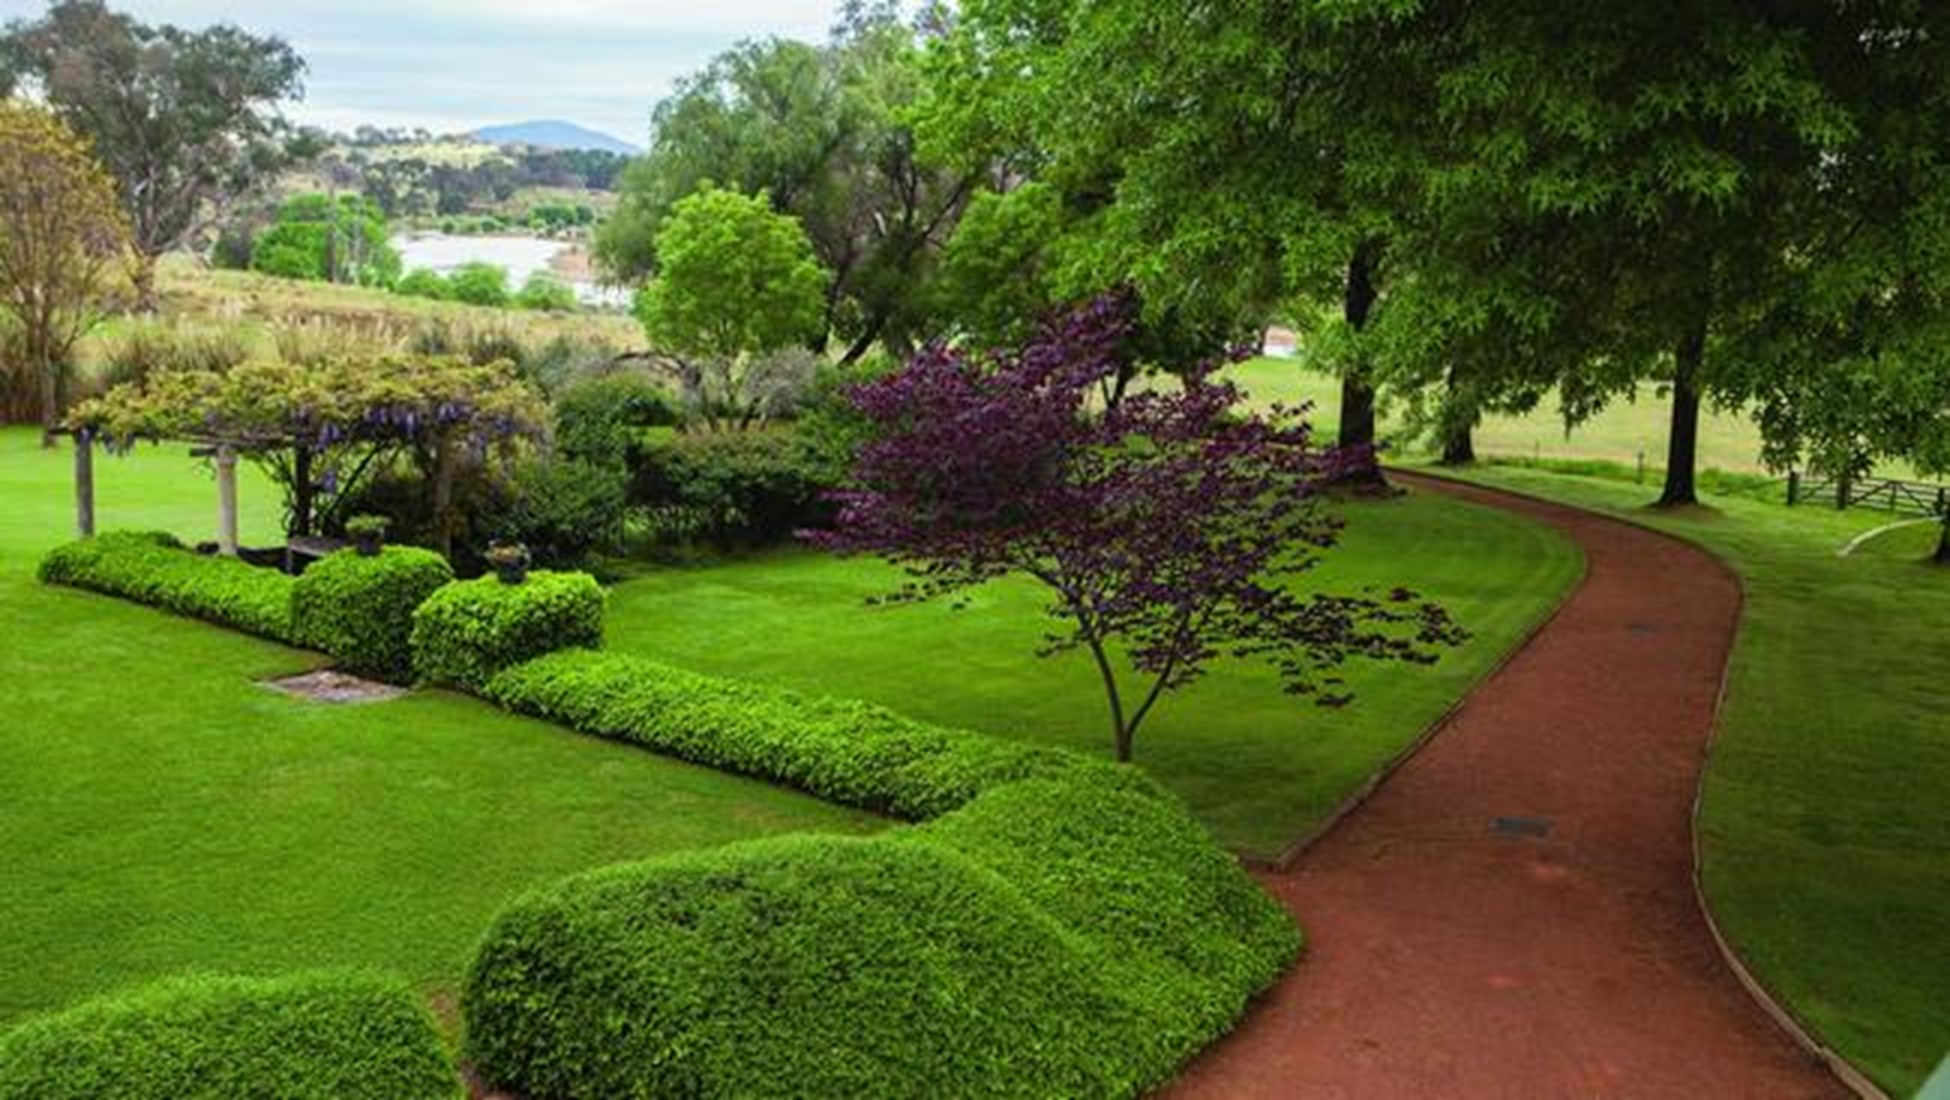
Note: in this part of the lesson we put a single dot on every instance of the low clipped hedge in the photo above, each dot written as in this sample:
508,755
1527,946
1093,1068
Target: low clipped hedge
469,630
360,608
320,1036
154,568
844,751
1059,926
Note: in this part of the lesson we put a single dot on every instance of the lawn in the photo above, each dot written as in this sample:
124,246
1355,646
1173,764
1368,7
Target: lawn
1827,859
1621,433
160,812
1259,766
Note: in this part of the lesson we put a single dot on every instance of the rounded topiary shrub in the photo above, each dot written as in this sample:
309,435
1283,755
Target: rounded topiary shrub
321,1036
812,966
469,630
360,608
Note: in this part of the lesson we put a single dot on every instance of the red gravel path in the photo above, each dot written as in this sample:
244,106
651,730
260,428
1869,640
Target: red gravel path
1451,960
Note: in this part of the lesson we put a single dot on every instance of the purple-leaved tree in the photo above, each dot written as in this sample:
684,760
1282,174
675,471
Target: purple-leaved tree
1167,527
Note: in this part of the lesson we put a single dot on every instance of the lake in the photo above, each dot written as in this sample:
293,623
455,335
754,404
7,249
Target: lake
521,256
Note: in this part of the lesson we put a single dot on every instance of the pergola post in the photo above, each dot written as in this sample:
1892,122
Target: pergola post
84,482
227,500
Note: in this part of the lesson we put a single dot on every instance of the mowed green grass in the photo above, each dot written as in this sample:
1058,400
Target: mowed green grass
1259,766
1826,822
1622,432
160,812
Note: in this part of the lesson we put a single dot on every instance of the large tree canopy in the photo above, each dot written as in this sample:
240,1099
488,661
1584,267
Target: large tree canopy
821,130
186,121
1231,162
1507,197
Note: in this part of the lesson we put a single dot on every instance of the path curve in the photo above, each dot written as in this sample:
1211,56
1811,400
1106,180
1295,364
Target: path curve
1451,959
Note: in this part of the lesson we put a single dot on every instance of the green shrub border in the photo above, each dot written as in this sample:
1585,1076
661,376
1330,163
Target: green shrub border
1087,934
467,631
1097,937
359,608
325,1035
152,567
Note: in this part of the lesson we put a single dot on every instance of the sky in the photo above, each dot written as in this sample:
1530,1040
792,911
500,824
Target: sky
454,65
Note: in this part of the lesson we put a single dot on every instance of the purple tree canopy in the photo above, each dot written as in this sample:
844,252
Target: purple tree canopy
1168,527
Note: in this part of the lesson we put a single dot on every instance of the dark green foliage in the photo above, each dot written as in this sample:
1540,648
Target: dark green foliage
479,284
598,419
562,510
319,1036
809,966
331,239
1128,867
423,283
545,292
754,486
1061,927
360,609
469,630
153,568
844,751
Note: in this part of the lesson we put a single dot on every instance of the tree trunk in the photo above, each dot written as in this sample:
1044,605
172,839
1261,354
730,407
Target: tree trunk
443,498
1682,442
51,395
1120,730
145,283
1459,446
1357,394
302,492
1943,542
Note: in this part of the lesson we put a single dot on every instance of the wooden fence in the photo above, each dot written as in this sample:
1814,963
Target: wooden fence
1912,498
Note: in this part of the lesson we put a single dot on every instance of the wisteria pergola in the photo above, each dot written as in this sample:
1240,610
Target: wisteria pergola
318,430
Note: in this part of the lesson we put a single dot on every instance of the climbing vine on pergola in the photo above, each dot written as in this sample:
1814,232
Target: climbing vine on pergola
319,431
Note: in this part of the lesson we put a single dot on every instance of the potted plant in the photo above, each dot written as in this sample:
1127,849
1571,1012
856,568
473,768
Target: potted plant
368,533
510,561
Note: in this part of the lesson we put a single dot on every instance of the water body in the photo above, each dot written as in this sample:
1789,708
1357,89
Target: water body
521,256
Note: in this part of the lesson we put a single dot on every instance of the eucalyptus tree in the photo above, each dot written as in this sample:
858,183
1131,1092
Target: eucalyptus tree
186,122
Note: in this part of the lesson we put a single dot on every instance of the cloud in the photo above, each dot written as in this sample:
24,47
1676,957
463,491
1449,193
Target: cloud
458,64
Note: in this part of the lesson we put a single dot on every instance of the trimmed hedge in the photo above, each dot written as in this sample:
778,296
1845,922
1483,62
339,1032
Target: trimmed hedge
1061,926
154,568
319,1036
844,751
360,609
469,630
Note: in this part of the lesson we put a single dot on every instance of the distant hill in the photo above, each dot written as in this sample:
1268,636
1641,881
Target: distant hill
553,134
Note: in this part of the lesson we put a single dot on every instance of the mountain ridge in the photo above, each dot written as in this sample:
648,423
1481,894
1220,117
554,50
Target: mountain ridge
554,133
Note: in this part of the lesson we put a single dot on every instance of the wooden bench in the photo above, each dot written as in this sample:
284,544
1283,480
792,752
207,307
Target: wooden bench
307,549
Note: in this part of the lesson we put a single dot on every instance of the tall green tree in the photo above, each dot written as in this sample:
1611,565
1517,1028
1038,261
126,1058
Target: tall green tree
820,129
334,239
738,285
1238,159
1748,191
186,122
